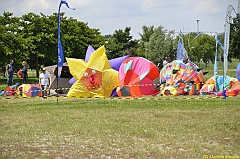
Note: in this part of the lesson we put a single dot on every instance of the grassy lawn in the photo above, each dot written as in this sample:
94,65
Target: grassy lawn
98,128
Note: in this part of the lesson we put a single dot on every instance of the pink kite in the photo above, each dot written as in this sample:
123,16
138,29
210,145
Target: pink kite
138,77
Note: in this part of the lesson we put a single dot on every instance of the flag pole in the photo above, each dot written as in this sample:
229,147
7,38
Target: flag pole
59,16
60,57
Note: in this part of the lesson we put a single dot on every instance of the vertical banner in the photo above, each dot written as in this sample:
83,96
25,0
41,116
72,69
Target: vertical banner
228,20
216,55
181,52
60,50
181,36
216,64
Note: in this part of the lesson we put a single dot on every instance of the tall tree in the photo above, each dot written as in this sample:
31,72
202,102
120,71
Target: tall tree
203,48
234,48
12,44
145,36
40,30
121,43
160,45
188,41
76,36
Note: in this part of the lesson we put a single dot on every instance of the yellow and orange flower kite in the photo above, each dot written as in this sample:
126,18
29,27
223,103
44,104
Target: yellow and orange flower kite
94,78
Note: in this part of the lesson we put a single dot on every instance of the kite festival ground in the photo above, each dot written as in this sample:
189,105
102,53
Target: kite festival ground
160,127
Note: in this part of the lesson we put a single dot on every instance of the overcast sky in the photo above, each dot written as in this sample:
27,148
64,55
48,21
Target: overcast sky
111,15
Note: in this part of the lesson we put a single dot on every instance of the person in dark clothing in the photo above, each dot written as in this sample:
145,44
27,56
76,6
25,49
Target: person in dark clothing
24,72
9,72
169,60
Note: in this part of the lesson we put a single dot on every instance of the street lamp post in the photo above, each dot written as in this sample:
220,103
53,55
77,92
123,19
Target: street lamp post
198,25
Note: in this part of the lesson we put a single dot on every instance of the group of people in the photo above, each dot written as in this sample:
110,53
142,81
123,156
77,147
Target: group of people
44,77
10,69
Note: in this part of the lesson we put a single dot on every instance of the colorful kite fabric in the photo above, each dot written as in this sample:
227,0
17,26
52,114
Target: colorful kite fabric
238,72
94,78
10,90
185,78
138,77
29,90
115,63
211,87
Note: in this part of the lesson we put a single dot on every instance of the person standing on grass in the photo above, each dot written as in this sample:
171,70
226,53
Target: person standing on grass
9,72
24,73
44,81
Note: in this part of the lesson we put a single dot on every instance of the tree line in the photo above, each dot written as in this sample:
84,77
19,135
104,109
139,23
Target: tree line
33,38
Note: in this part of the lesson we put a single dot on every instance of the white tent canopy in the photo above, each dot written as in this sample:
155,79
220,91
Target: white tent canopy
63,83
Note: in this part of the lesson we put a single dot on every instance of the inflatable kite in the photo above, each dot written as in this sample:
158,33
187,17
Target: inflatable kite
10,90
238,72
138,77
29,90
94,78
115,63
178,78
214,86
19,74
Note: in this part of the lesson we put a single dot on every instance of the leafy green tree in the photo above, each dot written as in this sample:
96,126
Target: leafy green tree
12,44
33,38
234,46
40,30
145,36
121,43
203,48
219,48
188,43
76,36
160,44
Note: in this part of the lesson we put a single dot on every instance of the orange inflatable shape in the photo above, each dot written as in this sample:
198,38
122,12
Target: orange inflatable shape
19,74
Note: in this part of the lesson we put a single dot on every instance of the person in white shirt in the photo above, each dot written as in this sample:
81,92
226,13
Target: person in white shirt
165,62
44,81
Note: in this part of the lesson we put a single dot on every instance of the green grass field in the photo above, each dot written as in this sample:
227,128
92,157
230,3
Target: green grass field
106,128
